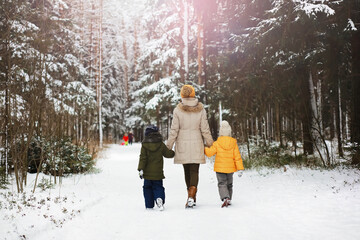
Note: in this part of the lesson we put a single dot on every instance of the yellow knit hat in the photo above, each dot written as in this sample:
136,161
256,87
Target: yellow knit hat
187,91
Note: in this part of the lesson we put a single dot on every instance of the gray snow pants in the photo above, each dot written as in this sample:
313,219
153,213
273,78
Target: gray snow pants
225,185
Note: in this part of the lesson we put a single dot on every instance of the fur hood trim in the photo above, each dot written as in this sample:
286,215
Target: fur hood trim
186,108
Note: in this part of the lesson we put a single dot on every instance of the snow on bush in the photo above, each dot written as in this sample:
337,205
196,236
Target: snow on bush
32,213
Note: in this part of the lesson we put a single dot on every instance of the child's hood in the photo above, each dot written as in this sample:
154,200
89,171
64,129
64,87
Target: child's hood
152,142
226,142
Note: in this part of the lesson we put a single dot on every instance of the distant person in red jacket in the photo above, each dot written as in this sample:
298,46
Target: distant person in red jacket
126,139
131,136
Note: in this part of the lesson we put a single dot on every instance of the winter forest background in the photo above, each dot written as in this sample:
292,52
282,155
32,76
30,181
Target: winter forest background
284,73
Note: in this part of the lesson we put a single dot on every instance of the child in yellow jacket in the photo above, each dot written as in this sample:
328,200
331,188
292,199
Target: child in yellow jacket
227,161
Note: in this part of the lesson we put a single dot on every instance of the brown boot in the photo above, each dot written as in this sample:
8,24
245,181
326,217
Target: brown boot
191,197
195,196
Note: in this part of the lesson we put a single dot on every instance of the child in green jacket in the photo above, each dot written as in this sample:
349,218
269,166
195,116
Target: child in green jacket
151,165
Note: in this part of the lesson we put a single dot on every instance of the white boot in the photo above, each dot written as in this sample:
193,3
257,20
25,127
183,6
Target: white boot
190,202
160,204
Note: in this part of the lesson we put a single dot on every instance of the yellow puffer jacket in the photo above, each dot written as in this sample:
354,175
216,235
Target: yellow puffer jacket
228,158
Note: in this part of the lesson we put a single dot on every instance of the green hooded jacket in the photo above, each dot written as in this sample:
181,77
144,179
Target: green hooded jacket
151,157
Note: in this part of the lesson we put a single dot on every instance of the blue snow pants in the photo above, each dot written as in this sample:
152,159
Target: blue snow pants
153,189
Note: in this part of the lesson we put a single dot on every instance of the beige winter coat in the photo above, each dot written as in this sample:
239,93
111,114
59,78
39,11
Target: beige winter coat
189,131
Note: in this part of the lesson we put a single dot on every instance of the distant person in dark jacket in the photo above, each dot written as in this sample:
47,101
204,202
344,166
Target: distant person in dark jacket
151,165
131,137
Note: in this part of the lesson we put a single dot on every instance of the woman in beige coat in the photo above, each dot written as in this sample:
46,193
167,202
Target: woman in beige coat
190,131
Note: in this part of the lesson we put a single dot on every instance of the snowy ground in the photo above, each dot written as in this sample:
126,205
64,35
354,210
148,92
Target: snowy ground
267,204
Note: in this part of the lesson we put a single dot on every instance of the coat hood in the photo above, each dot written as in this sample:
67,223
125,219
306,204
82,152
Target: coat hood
153,141
226,142
190,105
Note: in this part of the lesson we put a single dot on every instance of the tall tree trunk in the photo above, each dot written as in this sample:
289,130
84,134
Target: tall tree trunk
306,116
7,109
200,49
126,74
338,118
184,41
294,131
355,83
182,44
91,46
278,124
336,89
247,133
213,126
100,75
136,50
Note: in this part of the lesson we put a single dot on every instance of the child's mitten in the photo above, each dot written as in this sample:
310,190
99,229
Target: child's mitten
141,174
240,173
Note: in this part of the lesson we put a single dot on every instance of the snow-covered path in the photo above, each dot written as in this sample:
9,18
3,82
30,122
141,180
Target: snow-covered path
296,204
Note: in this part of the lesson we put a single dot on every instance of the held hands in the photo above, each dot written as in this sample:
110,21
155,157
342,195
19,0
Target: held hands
141,174
240,173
